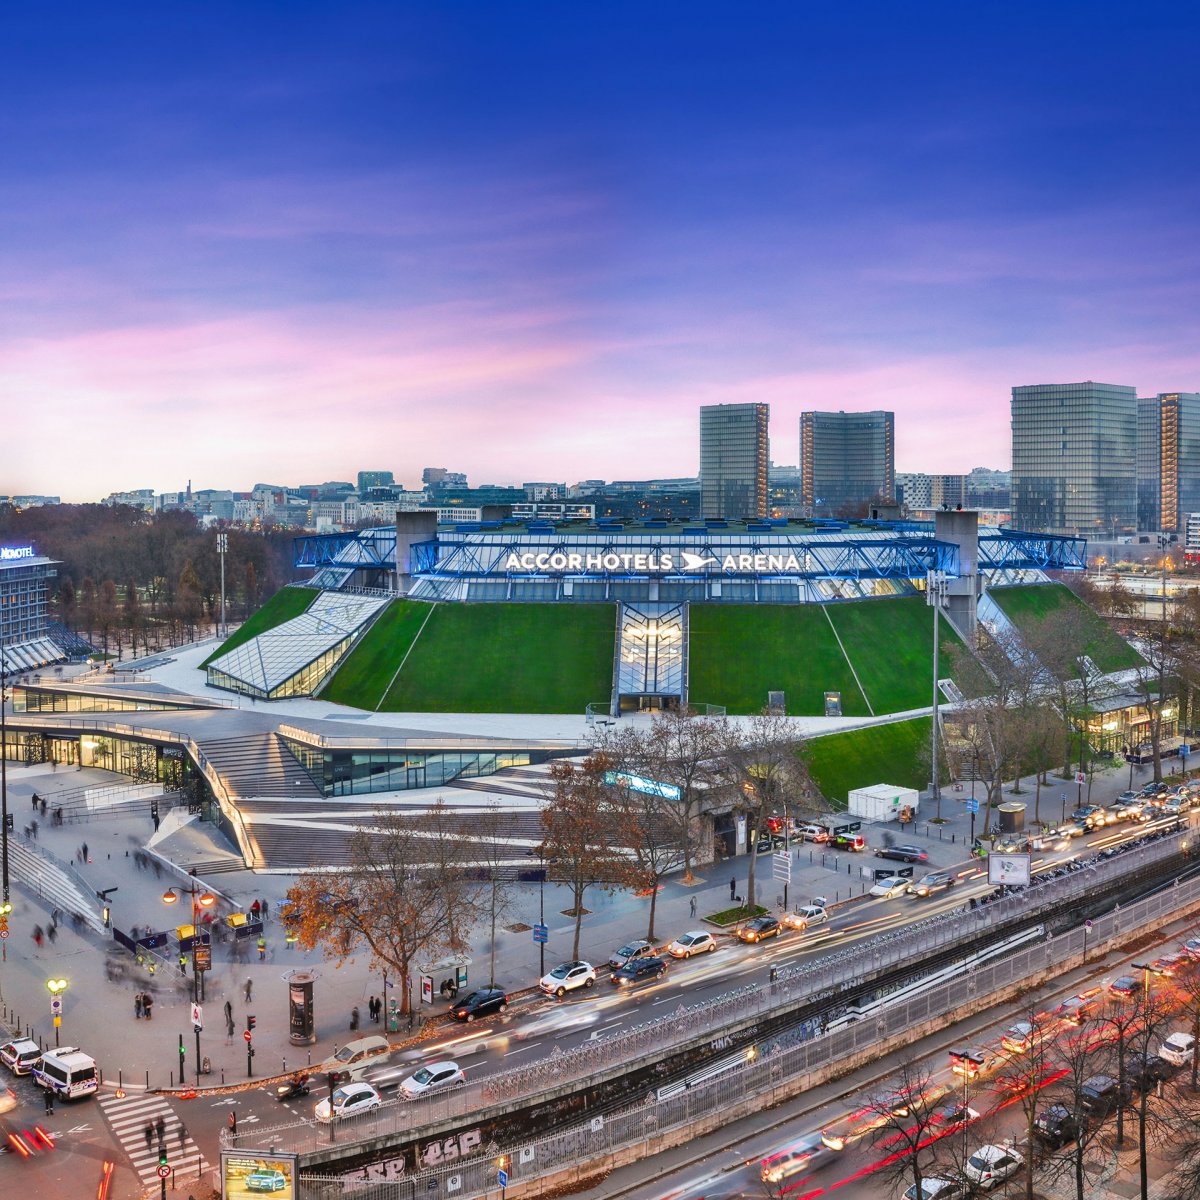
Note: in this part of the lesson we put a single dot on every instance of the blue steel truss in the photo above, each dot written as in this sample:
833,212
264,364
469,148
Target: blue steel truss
358,548
1007,549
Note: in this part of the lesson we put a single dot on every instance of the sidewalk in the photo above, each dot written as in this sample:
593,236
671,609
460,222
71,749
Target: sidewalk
99,1013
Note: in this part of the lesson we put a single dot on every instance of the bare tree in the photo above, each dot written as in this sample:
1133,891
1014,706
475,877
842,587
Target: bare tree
904,1119
1026,1071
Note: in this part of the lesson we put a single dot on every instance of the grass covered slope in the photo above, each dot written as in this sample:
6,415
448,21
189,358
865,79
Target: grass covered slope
287,603
890,643
895,754
364,676
534,658
1026,606
740,652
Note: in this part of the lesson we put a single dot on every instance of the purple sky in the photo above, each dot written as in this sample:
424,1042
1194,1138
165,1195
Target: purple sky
255,242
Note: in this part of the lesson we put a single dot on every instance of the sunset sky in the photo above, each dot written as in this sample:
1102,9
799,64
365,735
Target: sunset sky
284,242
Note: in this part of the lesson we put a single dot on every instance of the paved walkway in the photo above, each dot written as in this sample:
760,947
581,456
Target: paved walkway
99,1011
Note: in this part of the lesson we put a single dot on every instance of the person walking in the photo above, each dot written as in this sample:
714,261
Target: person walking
137,1006
733,887
160,1128
182,1136
249,990
354,1019
262,949
692,906
148,1134
147,1004
85,856
228,1011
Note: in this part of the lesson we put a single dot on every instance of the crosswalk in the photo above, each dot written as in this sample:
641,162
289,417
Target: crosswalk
130,1115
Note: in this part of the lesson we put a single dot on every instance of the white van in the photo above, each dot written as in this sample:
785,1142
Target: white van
67,1072
353,1059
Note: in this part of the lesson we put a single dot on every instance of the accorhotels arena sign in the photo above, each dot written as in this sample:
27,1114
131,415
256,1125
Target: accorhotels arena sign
564,562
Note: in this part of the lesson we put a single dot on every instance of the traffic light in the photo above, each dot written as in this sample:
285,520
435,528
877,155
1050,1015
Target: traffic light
250,1021
162,1155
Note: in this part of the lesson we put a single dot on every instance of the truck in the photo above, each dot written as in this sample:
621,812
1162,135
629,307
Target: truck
884,802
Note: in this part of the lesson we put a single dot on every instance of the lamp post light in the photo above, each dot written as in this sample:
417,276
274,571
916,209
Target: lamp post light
199,900
935,597
3,768
56,987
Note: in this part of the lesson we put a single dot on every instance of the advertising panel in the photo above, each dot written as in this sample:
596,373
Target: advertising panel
1008,870
247,1175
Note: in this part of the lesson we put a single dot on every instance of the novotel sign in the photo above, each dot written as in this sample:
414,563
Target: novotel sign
571,562
7,553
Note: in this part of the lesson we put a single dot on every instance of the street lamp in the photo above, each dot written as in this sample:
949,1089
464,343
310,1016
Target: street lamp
199,900
935,596
56,988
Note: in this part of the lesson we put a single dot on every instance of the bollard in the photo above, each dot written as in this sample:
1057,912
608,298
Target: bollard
147,1081
171,1077
222,1076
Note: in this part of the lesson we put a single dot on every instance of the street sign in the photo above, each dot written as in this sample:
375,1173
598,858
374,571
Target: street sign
782,866
541,933
502,1177
3,933
203,957
247,1035
197,1016
972,805
56,1005
1080,777
164,1171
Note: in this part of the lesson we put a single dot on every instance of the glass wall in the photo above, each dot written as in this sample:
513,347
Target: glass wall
48,700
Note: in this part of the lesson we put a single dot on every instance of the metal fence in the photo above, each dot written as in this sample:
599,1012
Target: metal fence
818,979
783,1059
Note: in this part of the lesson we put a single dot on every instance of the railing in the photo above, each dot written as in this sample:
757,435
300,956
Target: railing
321,742
782,1061
818,979
34,878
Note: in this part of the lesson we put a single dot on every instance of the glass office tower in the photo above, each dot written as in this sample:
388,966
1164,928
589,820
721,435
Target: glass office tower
734,454
847,460
1168,461
1074,450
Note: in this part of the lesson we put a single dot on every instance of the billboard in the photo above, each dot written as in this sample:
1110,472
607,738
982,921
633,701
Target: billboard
1008,870
245,1175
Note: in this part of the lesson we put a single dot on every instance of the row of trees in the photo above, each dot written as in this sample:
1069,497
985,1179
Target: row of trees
133,577
417,886
1119,1040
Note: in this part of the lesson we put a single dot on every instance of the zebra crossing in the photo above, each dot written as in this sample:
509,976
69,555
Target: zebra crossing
130,1115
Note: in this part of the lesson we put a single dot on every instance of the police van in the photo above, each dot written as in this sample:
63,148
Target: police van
67,1072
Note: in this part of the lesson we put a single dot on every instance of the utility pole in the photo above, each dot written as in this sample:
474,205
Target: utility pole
935,595
4,759
222,546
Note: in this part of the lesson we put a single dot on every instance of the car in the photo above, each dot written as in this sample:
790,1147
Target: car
566,977
1170,964
1177,1048
990,1166
1192,947
936,881
890,886
19,1055
631,950
1022,1037
348,1100
759,929
1053,837
881,1108
804,916
1100,1095
1090,814
265,1179
802,1155
1173,808
480,1003
355,1057
849,841
431,1078
1143,813
1055,1127
8,1100
905,854
813,833
975,1062
1126,987
696,941
1076,1009
935,1187
954,1115
1011,843
1143,1071
638,971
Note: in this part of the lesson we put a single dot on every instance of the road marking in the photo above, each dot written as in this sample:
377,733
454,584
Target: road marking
128,1117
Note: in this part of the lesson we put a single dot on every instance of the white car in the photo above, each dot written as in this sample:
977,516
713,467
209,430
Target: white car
568,976
1022,1037
19,1055
889,886
432,1078
348,1101
695,941
1177,1049
937,1189
990,1166
804,916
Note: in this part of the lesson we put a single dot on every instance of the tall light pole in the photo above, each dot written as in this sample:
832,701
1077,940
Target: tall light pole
3,762
935,596
56,987
222,546
199,900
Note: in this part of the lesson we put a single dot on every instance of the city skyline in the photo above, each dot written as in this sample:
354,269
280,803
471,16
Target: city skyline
280,246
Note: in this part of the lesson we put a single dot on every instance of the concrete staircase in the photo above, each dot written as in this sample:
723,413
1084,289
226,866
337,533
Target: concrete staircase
259,765
58,885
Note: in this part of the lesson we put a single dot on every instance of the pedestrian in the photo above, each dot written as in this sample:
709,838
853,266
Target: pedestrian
264,908
43,807
229,1030
37,936
148,1134
249,990
147,1004
35,801
52,933
160,1128
182,1135
85,857
255,908
354,1018
228,1011
262,949
692,906
137,1006
34,826
49,1102
733,887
